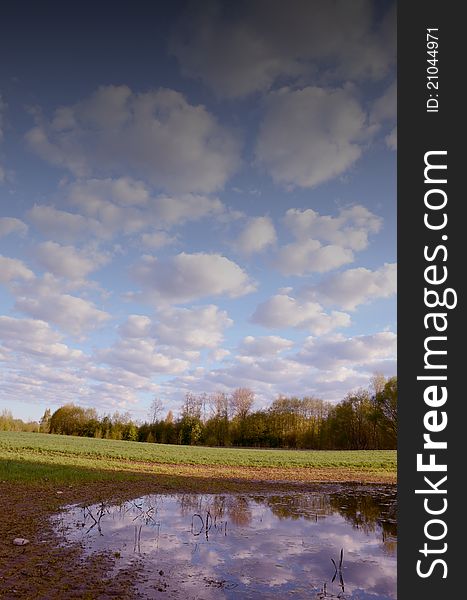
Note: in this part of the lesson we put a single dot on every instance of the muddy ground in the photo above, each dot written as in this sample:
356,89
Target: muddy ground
44,570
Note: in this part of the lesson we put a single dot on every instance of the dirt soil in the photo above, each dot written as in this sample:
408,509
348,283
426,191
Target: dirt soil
45,570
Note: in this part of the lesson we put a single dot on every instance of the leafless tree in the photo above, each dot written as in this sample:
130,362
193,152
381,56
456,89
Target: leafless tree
219,405
155,410
241,402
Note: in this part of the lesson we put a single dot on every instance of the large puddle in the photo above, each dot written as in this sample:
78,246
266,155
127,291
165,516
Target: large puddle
335,542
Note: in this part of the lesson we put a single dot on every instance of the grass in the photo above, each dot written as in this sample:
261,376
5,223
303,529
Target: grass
34,457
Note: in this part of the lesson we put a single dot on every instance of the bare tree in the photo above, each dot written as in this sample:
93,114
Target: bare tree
377,383
219,405
241,402
155,410
193,405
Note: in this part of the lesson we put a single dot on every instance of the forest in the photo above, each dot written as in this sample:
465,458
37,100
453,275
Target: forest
365,419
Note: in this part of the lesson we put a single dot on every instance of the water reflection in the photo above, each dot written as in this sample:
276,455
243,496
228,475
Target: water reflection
332,543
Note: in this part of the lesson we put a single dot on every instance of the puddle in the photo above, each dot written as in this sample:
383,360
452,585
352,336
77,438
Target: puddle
234,546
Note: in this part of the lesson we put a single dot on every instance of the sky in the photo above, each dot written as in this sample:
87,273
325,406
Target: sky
195,196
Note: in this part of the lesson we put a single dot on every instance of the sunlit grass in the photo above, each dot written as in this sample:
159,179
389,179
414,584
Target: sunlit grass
27,456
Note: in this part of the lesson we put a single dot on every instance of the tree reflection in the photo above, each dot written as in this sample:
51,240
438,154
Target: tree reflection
368,510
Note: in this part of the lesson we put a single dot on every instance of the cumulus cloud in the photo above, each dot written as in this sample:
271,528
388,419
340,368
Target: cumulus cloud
385,107
324,242
62,225
391,139
158,135
336,351
192,328
267,376
182,328
385,110
36,338
10,225
303,257
105,208
267,345
12,269
257,235
350,228
157,239
259,43
42,299
187,277
54,384
67,261
311,135
219,354
281,311
135,326
357,286
128,205
142,357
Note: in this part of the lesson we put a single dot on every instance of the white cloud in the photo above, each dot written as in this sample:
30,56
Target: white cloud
36,338
303,257
168,211
120,377
259,43
356,286
136,326
192,328
350,228
157,134
187,277
342,235
42,299
385,107
391,139
127,205
268,345
107,207
62,225
266,376
157,240
67,261
12,225
13,268
257,235
184,329
142,357
219,354
337,351
311,135
281,311
385,110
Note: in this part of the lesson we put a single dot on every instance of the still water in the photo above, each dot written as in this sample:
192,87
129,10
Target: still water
334,542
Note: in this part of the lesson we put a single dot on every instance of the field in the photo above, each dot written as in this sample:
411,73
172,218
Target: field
33,456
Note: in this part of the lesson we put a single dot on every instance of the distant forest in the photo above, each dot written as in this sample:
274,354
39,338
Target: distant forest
363,420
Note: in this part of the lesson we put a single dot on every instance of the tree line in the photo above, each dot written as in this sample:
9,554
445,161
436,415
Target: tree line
365,419
9,423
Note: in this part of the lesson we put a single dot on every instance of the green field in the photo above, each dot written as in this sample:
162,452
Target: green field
33,455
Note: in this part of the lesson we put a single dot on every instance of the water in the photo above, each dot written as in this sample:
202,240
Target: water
236,546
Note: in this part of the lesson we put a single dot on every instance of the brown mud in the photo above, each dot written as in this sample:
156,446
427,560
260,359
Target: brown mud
45,570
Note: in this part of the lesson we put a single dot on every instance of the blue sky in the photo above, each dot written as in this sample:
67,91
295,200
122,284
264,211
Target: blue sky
196,197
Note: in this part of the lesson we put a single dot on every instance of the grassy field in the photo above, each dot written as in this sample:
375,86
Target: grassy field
32,456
